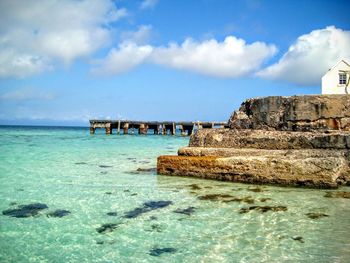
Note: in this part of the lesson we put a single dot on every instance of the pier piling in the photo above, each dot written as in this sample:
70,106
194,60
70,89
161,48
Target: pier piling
168,127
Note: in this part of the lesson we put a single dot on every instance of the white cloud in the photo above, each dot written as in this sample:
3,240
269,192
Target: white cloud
122,59
148,4
310,57
27,94
36,34
21,65
141,36
230,58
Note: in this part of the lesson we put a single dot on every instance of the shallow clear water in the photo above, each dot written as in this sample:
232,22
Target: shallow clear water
92,175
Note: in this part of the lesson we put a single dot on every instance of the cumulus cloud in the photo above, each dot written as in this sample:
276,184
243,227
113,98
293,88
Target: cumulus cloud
231,58
308,59
140,36
28,93
147,4
127,56
21,65
36,34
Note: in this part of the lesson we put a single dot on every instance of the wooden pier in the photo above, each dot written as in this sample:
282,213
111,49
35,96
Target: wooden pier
144,127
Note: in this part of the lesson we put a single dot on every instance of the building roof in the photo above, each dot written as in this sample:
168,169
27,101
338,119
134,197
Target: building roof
340,61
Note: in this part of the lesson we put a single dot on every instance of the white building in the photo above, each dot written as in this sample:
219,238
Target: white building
336,79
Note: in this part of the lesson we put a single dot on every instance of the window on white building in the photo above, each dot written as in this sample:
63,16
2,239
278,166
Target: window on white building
342,78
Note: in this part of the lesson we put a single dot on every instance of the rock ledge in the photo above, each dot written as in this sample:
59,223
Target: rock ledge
298,141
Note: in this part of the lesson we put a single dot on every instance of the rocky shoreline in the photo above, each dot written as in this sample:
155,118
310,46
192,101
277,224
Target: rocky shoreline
297,140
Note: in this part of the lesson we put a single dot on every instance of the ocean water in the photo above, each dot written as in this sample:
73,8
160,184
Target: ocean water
119,210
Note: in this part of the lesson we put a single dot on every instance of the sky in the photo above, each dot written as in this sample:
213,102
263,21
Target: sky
63,62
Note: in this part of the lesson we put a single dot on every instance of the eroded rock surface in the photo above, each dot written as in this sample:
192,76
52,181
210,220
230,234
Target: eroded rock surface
298,140
295,113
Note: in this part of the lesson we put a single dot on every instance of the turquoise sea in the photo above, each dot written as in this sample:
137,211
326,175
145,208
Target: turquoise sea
68,196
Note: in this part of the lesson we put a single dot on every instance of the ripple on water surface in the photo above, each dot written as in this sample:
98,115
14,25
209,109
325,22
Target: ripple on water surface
68,195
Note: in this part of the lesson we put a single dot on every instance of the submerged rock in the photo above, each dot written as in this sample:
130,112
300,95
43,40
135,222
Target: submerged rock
156,252
316,215
105,228
157,204
157,228
25,210
298,238
262,209
264,199
144,162
105,166
58,213
150,170
338,195
147,207
195,187
246,199
226,198
136,212
112,214
187,211
256,189
215,197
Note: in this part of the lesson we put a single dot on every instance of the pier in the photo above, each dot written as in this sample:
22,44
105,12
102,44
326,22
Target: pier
155,127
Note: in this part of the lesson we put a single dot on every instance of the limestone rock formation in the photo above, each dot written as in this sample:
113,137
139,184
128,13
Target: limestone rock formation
296,113
298,140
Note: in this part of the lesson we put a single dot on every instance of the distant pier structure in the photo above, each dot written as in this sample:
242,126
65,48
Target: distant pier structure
144,127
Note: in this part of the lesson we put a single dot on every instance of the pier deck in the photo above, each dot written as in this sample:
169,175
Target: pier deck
158,127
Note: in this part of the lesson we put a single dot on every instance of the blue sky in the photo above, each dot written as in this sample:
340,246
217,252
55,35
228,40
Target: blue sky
64,62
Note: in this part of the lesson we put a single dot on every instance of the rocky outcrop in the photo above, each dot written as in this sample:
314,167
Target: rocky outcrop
262,139
299,140
296,113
